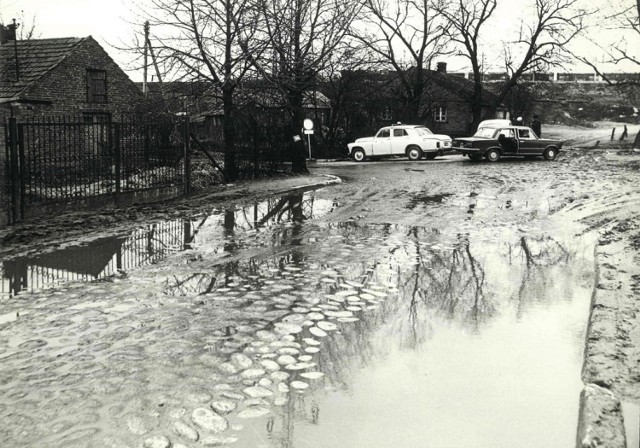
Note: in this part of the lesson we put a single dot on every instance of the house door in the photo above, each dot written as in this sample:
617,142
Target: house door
96,138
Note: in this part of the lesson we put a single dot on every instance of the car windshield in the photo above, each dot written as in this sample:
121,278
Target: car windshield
423,131
485,132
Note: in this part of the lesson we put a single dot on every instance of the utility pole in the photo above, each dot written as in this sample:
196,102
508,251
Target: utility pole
15,47
145,88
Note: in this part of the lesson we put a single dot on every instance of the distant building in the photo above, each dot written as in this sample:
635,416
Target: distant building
73,76
447,103
445,106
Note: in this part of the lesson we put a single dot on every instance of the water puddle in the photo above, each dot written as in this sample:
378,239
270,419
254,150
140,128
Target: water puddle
308,335
426,200
106,257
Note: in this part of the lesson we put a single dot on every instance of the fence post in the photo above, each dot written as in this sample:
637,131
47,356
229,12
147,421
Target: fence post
187,156
23,170
118,157
14,171
255,151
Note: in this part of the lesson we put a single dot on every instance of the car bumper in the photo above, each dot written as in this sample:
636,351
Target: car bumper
468,151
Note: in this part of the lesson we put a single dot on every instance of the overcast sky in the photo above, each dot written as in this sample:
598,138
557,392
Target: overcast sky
108,22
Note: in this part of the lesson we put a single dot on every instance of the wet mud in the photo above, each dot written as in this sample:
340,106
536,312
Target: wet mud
447,307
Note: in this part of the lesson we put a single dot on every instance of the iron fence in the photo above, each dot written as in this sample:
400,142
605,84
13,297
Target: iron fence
263,145
61,159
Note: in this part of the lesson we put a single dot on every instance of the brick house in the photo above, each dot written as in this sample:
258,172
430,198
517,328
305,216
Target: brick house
71,76
447,103
376,99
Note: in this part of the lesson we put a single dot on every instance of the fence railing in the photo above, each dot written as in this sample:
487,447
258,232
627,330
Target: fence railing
61,159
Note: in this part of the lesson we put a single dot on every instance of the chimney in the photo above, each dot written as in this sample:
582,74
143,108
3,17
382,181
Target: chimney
7,33
442,67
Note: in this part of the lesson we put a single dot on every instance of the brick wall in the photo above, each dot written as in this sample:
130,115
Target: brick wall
4,196
458,111
66,85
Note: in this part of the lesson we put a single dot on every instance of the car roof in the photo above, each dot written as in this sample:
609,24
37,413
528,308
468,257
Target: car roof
405,126
496,120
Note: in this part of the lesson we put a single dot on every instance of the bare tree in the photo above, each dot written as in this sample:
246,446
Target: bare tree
405,35
624,20
467,20
301,36
199,40
541,43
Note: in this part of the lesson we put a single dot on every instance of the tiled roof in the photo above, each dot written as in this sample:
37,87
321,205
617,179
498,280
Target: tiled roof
460,86
35,58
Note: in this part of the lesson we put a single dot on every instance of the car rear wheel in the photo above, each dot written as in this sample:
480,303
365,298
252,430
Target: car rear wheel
414,153
493,155
550,153
430,155
359,155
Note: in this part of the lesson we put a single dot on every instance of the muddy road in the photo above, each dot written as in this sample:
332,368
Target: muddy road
441,304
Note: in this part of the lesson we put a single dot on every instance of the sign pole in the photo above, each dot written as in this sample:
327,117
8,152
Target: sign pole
308,129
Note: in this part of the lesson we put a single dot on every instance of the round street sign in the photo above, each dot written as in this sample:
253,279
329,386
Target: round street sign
308,124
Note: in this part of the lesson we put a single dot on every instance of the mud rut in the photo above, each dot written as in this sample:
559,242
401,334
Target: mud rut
581,192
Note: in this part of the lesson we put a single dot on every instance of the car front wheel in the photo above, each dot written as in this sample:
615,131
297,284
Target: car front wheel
414,153
493,155
359,155
550,153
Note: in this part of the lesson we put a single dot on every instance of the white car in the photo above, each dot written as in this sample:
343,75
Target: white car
413,141
494,123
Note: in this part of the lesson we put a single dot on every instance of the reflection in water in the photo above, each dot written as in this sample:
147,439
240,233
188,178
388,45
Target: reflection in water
105,257
308,335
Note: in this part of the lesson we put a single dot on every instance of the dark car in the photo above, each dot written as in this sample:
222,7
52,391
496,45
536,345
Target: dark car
493,143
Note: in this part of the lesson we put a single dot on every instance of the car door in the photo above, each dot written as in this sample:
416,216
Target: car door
382,143
399,141
508,141
528,142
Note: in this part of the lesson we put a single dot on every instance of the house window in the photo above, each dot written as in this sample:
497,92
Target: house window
96,86
440,114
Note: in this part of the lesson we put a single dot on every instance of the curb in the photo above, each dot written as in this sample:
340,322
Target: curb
600,422
601,417
331,180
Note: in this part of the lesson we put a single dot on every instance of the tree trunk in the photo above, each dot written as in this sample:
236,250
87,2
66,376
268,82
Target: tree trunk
476,101
636,142
229,134
416,95
298,155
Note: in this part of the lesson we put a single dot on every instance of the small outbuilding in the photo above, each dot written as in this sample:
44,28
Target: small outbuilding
71,76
